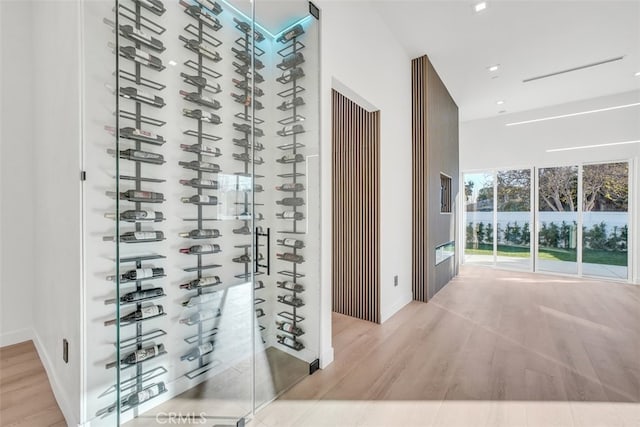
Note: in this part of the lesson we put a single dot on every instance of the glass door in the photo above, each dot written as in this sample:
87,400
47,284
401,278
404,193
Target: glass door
479,220
513,221
605,220
557,220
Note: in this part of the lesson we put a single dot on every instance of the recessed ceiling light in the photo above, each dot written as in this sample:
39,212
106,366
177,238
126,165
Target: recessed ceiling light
637,74
173,63
500,102
480,6
493,68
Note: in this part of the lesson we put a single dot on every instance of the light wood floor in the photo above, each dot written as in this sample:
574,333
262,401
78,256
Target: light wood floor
26,398
493,348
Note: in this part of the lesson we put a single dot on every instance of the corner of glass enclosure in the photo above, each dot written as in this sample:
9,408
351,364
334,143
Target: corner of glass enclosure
202,129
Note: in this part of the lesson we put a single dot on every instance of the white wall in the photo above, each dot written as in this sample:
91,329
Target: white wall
488,143
17,188
359,51
56,168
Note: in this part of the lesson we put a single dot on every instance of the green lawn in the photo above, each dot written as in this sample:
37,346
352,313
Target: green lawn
589,255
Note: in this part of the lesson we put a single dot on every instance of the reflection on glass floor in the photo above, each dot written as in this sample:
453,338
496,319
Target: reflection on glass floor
226,397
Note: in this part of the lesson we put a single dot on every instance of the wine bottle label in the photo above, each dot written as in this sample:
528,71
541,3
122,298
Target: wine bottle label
208,280
142,54
150,311
144,235
289,242
143,273
145,353
145,155
149,393
207,248
147,134
289,214
289,341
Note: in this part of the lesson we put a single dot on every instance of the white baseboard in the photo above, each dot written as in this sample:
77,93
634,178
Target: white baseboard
326,357
58,392
15,337
396,307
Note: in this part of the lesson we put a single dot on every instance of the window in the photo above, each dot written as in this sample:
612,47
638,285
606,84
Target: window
445,193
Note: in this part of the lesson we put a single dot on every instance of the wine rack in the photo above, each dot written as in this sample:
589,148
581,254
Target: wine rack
137,49
247,66
292,190
199,95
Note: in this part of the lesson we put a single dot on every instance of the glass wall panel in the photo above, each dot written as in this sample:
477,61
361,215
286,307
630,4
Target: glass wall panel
514,218
557,221
478,218
605,204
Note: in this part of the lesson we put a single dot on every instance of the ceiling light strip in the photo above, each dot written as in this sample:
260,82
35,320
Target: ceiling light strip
582,147
617,107
582,67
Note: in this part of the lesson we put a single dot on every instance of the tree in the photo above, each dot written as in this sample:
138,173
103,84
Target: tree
514,190
558,188
526,234
605,187
468,190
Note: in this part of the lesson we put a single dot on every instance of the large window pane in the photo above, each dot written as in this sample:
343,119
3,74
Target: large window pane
605,189
514,218
557,219
479,227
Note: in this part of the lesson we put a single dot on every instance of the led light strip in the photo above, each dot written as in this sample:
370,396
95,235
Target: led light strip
618,107
301,21
554,150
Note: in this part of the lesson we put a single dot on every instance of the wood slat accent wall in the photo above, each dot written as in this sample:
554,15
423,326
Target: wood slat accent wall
420,269
356,209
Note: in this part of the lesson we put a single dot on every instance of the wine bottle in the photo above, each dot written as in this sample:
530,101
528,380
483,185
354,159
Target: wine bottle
201,49
290,130
295,102
290,286
246,58
199,351
138,35
247,129
291,186
243,26
201,316
290,342
292,60
202,234
257,188
142,196
245,157
289,327
246,101
142,273
197,13
292,243
201,166
201,200
137,398
197,98
246,258
245,85
291,158
211,6
294,32
143,354
201,249
248,72
143,313
134,296
291,300
291,74
242,230
200,183
207,150
291,201
200,299
297,216
141,57
201,283
155,6
200,82
141,135
201,115
141,236
138,216
288,256
143,156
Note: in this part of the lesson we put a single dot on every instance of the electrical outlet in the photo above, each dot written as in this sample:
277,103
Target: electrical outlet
395,280
65,350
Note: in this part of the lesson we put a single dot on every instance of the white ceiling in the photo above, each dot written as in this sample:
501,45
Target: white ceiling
527,39
274,15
